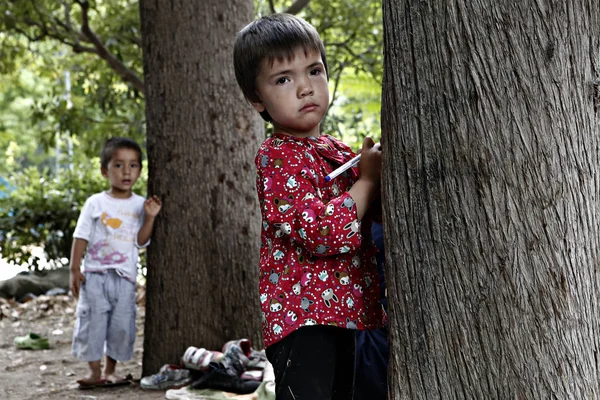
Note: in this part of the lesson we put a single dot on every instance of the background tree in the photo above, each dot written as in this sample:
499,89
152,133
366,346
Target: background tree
202,138
491,168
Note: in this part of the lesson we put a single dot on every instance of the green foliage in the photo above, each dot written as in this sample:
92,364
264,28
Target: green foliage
352,32
356,112
77,92
42,210
353,35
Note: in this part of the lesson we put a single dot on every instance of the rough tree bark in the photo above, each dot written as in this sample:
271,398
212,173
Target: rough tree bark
202,138
491,183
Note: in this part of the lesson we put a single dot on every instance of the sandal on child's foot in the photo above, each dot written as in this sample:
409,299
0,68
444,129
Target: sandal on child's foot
89,382
109,381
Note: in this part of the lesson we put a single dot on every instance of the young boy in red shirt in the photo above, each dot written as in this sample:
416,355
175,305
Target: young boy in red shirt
318,273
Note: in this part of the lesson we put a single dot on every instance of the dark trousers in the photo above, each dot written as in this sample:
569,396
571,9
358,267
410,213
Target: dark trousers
372,349
314,363
372,357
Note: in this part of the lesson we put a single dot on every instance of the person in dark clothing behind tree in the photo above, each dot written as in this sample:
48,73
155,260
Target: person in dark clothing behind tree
372,348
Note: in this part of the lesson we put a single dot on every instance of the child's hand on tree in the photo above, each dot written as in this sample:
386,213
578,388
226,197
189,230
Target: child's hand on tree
152,206
370,161
366,188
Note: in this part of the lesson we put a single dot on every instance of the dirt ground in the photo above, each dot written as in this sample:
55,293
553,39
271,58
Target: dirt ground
51,374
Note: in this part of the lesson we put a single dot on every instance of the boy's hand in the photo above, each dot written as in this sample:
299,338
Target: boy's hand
152,206
76,278
370,161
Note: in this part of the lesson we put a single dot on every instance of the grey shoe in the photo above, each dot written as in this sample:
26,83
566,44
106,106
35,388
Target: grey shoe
169,376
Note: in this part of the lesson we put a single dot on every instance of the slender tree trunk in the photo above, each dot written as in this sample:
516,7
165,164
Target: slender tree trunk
491,185
202,138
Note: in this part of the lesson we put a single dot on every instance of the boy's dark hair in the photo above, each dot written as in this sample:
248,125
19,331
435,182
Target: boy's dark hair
271,37
114,144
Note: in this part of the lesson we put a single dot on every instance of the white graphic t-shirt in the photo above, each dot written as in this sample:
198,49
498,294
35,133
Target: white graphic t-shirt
110,226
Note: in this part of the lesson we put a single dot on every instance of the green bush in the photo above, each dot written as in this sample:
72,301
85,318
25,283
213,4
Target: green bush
41,210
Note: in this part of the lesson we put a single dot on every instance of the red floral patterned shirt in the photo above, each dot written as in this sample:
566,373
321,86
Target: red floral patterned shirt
317,262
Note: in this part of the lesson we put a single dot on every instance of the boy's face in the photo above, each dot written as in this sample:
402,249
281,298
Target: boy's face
123,171
294,92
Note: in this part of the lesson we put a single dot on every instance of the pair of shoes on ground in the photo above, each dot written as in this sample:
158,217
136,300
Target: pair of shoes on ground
169,376
31,341
236,354
238,369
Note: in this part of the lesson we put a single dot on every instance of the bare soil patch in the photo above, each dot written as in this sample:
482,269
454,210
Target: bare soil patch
51,374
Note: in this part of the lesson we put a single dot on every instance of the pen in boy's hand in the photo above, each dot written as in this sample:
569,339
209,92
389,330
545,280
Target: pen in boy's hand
340,170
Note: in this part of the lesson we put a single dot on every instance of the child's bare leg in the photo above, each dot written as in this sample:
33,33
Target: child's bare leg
109,370
94,375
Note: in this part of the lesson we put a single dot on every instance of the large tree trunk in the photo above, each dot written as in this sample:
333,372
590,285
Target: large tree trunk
491,185
202,138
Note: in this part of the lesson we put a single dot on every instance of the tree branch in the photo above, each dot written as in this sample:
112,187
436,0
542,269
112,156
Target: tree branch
135,40
125,73
116,122
53,34
63,31
69,29
77,48
272,6
297,6
341,67
31,38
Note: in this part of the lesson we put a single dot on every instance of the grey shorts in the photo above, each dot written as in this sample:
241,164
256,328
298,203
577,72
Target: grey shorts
105,318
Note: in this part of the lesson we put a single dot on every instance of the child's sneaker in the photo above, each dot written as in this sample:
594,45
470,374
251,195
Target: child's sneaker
234,358
199,358
169,376
243,344
255,359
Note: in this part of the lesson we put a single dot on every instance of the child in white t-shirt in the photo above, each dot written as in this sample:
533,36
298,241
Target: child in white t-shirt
112,226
